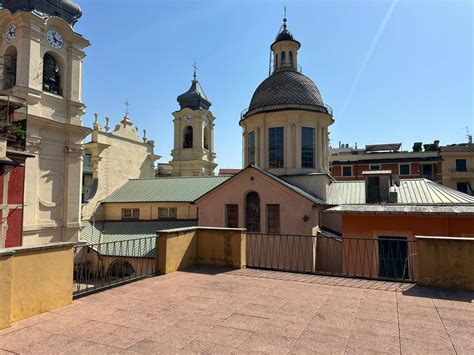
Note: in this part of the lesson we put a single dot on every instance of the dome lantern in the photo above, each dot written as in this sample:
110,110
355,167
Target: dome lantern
285,49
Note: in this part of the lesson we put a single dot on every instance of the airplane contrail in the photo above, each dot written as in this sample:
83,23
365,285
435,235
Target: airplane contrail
368,55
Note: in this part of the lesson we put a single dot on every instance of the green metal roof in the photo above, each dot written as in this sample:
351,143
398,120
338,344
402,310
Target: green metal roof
165,189
127,238
410,192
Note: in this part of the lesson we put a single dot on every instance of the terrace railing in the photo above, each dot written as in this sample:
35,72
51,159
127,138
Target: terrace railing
383,258
103,265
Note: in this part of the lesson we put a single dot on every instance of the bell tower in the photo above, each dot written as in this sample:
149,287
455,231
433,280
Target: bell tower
47,78
193,153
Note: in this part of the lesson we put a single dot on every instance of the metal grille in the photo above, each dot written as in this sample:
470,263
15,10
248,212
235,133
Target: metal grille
103,265
383,258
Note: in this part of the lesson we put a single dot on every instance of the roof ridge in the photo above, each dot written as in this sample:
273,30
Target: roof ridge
177,177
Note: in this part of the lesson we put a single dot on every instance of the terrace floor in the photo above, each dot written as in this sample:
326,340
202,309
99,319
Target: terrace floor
210,310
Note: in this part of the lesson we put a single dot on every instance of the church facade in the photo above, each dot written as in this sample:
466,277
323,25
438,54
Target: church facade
47,79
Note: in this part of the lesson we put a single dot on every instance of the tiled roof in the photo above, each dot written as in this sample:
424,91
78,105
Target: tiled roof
286,89
165,189
410,192
139,236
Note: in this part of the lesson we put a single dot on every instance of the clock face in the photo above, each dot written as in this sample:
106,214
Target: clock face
188,119
54,39
10,33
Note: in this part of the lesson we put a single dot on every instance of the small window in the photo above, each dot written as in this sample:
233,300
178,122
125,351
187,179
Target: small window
232,216
404,169
290,56
283,58
375,167
251,147
273,218
462,187
461,165
206,138
130,213
347,171
188,137
167,212
276,61
51,75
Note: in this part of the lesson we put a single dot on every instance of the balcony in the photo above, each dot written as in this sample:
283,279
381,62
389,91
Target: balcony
462,173
15,133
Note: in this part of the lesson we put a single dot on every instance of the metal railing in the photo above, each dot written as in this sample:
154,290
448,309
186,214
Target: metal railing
432,177
383,258
324,108
465,171
284,66
102,265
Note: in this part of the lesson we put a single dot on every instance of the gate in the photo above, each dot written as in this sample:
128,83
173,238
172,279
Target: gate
103,265
384,258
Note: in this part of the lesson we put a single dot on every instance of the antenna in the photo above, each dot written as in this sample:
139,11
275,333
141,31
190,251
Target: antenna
468,135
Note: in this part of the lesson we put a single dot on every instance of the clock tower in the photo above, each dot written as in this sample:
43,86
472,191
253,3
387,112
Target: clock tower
44,72
193,153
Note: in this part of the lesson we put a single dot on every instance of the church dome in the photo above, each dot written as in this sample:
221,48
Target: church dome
286,90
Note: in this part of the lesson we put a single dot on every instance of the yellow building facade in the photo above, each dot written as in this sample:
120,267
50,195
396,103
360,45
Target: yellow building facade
458,167
116,157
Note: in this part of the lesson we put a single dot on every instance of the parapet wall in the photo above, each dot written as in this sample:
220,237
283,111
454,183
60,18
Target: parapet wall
446,262
181,248
34,280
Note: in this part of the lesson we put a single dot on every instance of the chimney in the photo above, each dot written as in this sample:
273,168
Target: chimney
377,186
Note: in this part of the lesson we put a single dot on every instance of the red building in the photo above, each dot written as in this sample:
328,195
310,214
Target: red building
12,169
348,163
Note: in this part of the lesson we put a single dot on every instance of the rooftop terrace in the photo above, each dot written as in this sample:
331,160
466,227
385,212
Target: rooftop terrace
210,310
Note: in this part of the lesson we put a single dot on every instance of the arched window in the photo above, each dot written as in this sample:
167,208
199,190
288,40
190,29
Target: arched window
9,68
206,138
51,75
283,59
120,268
252,212
188,137
290,57
276,61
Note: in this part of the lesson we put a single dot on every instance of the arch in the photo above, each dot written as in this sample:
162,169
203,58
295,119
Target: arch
120,268
51,74
283,59
188,137
206,138
9,68
252,212
290,58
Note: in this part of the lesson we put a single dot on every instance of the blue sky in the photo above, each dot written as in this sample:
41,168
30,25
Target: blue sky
393,71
